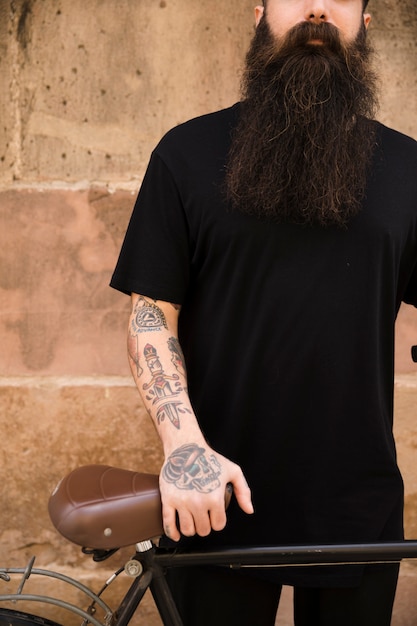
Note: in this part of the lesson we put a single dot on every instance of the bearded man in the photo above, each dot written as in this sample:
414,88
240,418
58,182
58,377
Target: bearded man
268,252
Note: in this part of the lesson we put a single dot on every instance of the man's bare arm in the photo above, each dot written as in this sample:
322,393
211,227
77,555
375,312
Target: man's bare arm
194,477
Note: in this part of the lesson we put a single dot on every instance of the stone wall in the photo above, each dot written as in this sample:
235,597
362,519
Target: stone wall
86,90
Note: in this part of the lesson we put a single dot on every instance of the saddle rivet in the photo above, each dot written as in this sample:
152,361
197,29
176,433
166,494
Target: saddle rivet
107,532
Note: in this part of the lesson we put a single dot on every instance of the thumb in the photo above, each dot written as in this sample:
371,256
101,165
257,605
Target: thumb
243,494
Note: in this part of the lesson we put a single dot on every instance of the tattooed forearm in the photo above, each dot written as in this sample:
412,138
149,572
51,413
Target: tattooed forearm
163,389
189,468
147,316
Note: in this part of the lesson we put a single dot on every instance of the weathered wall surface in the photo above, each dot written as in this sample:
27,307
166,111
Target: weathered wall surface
86,90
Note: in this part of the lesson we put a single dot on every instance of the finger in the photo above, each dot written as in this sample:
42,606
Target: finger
243,494
187,525
203,523
169,523
218,517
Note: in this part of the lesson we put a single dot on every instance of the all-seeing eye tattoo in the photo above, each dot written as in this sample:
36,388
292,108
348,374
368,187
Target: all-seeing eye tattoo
189,468
163,389
147,316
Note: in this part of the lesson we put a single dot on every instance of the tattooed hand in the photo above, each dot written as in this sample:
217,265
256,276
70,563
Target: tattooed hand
189,468
193,483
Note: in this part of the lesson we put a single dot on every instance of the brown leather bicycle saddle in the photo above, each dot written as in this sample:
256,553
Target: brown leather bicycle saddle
103,507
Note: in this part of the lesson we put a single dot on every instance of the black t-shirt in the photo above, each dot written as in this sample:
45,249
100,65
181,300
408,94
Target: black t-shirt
287,332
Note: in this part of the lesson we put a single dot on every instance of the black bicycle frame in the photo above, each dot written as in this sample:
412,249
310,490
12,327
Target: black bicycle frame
156,560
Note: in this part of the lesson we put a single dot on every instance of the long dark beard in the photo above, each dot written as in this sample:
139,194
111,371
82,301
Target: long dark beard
305,137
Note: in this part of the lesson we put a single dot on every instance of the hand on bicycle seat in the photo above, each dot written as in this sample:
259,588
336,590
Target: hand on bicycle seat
193,484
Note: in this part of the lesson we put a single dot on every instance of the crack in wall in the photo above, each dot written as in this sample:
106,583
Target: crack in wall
15,92
22,24
19,38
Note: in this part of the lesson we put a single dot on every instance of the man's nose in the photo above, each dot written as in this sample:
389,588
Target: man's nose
316,12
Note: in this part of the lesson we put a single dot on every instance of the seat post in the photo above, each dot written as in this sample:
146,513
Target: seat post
144,546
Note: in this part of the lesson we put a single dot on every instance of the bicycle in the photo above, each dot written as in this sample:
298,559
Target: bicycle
103,509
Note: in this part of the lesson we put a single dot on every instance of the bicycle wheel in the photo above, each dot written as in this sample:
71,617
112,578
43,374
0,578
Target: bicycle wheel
16,618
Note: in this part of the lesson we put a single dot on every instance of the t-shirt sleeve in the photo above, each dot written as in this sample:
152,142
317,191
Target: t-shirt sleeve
154,258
